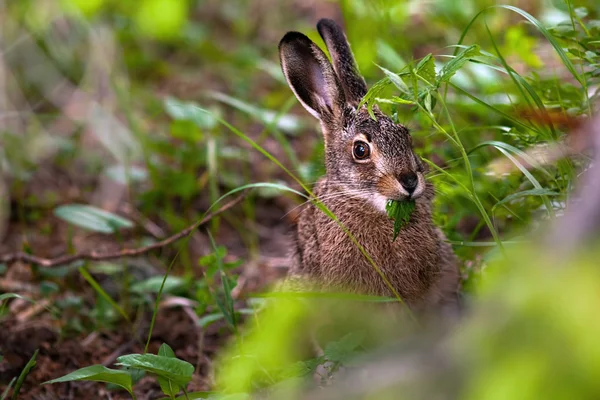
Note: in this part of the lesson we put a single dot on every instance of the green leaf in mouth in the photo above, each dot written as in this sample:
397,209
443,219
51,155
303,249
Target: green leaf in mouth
400,212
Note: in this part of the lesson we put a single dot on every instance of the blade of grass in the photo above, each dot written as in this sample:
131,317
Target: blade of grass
502,147
23,375
494,109
467,163
158,297
557,47
96,286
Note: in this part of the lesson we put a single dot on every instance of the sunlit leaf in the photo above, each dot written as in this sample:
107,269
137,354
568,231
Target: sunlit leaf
450,68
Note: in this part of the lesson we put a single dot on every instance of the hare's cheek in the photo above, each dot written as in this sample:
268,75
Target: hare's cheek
388,187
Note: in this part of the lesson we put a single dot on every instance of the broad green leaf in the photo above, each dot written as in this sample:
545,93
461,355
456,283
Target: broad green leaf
98,373
173,369
152,284
400,212
92,218
166,351
28,367
168,387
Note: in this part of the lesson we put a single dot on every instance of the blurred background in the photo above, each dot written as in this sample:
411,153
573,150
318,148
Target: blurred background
122,123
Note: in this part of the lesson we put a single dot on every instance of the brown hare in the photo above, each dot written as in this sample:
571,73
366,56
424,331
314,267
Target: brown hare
368,162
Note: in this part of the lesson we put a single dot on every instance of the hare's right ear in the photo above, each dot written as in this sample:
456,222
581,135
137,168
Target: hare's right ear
311,77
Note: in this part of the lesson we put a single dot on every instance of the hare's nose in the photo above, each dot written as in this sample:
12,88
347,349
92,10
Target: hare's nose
409,181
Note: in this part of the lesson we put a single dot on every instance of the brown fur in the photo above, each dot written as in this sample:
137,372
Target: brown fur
419,264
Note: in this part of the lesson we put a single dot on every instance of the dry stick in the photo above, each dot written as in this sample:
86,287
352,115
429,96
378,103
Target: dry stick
9,259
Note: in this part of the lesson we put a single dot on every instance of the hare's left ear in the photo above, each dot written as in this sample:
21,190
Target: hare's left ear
352,82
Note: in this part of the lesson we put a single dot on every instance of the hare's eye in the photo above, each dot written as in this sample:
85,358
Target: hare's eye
361,150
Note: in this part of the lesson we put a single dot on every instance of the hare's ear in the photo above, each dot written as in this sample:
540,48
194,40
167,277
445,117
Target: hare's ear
311,76
353,83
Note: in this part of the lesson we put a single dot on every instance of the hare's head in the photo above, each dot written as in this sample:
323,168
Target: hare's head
368,158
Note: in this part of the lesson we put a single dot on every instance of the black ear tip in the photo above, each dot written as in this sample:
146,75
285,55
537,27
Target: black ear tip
294,37
329,24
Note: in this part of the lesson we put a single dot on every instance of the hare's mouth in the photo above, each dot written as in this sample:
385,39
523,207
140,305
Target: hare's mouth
398,189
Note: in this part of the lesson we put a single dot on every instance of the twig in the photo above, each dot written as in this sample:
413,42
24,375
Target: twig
9,259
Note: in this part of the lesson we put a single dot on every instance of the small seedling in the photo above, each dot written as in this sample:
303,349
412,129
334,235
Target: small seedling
400,212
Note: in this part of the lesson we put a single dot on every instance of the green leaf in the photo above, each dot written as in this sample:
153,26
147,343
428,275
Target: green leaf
343,349
426,69
209,319
397,81
28,367
152,284
98,373
6,296
91,218
173,369
166,351
400,212
450,68
168,387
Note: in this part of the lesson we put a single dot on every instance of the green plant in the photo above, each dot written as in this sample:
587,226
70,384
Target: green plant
172,373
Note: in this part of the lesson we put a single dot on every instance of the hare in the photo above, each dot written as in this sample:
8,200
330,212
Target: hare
368,162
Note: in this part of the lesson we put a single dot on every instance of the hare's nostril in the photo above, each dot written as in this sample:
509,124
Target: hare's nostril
409,181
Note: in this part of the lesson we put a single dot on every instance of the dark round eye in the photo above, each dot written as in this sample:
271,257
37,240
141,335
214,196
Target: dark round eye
361,150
